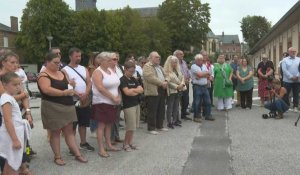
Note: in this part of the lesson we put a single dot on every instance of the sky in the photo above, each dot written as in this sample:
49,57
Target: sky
225,14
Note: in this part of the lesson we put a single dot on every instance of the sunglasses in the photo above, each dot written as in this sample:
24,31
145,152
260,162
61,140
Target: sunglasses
114,59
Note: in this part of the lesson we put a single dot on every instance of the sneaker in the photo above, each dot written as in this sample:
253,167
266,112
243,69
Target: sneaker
87,146
170,125
153,132
296,109
209,118
163,129
177,124
198,120
186,118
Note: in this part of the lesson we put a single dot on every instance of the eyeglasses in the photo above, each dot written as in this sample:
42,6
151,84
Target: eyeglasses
55,62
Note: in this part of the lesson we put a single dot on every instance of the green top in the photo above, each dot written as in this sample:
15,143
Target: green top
220,89
248,84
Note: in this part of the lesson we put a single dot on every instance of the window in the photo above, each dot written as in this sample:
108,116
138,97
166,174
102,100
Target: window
5,41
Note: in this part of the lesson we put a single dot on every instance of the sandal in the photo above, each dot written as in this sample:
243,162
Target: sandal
104,155
81,159
113,149
59,161
127,148
134,147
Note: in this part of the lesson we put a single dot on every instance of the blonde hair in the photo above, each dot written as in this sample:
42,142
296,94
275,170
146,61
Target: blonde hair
168,65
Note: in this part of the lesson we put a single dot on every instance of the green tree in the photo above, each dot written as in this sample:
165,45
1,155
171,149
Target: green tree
158,37
40,19
254,28
187,21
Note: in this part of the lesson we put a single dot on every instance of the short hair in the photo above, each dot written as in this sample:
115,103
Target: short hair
203,52
198,57
6,56
129,64
8,77
50,56
103,55
72,50
176,52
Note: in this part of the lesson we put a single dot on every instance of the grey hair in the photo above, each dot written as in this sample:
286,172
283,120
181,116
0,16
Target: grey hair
198,57
203,52
103,56
176,52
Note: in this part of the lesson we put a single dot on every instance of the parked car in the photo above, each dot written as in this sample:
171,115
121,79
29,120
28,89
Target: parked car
32,77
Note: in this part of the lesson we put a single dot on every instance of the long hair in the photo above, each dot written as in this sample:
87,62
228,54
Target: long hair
92,58
168,65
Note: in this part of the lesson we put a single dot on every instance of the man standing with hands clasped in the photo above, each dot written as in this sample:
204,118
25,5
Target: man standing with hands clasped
155,85
82,89
290,69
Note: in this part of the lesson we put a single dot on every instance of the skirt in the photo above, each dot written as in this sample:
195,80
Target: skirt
104,113
56,116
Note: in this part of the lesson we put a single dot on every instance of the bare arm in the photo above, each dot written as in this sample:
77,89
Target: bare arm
97,79
45,86
7,108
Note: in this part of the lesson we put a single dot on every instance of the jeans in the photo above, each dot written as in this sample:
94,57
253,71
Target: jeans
115,126
201,94
93,125
246,98
277,106
295,88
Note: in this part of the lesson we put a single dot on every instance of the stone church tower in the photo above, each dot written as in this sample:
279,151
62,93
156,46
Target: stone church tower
85,4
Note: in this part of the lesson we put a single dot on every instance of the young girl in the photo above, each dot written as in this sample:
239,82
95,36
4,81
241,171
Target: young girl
14,130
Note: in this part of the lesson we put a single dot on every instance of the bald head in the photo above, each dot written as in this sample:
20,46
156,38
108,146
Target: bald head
292,52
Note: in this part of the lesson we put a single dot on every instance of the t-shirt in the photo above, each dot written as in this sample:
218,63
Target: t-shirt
129,101
16,113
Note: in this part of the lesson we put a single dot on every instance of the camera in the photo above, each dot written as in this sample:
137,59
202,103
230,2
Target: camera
270,115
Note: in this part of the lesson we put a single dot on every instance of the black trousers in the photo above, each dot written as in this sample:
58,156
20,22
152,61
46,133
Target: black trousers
156,110
246,98
184,102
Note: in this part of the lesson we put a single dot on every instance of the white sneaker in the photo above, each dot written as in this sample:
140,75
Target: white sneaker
164,129
153,132
296,109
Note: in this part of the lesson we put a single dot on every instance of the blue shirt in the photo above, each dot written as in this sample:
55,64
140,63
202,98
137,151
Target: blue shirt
290,69
196,69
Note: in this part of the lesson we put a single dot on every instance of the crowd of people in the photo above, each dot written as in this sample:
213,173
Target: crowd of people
74,96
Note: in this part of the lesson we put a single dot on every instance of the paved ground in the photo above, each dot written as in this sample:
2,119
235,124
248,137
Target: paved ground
238,142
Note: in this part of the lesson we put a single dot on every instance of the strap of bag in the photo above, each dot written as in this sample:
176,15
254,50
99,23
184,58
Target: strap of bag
78,74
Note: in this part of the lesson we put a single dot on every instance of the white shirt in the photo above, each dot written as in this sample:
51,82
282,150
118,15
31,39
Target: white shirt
80,85
21,73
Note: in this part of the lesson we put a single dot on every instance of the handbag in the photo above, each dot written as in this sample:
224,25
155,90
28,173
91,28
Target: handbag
88,101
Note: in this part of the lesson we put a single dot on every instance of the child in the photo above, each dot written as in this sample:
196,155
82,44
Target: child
14,130
279,104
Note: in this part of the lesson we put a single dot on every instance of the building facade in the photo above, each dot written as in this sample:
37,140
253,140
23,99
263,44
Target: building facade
8,34
229,45
283,35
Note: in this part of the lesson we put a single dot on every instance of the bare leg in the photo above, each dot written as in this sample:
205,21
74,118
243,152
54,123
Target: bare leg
55,142
9,170
100,133
70,139
107,136
82,134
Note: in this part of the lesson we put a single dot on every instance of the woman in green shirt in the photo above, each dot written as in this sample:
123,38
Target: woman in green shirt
223,84
245,84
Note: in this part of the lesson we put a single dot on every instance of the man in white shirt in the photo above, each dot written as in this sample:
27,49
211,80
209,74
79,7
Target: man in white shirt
82,88
290,69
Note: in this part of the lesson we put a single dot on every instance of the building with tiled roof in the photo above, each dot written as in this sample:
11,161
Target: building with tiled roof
85,4
8,34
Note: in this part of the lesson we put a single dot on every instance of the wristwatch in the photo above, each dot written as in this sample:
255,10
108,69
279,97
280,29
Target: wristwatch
28,111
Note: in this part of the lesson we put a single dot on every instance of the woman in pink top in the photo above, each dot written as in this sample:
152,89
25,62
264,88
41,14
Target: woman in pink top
105,83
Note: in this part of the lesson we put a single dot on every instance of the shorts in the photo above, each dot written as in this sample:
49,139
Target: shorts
132,117
83,117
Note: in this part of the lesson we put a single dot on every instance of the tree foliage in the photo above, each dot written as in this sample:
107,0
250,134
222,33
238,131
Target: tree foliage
40,19
254,28
122,30
187,21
